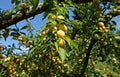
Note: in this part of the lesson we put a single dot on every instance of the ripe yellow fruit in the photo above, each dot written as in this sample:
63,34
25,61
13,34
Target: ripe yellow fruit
23,5
60,17
52,27
99,14
30,41
2,56
43,33
7,59
63,27
114,60
51,16
44,39
46,31
61,43
60,34
20,38
106,30
101,24
10,67
40,34
110,39
117,11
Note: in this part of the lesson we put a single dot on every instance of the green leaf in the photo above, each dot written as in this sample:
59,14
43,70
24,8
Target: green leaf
15,1
71,42
6,33
23,33
62,53
35,4
56,45
14,34
52,21
25,27
15,30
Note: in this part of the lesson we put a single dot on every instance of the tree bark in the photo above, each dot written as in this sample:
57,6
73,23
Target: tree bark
85,63
11,19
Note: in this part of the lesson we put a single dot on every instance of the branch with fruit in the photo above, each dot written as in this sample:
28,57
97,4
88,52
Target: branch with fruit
24,13
13,18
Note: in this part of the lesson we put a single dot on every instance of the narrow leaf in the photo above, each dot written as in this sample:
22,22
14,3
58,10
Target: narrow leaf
35,4
56,45
24,27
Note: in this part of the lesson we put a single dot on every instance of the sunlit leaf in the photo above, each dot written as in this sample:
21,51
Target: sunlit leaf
62,53
71,42
51,21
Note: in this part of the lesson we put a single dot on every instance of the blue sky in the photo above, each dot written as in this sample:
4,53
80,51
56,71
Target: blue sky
37,21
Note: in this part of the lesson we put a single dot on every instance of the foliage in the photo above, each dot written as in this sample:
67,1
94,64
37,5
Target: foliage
63,54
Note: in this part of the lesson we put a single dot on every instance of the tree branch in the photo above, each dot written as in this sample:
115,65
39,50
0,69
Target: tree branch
85,63
11,19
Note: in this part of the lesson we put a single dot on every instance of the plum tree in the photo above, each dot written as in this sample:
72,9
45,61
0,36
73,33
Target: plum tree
79,39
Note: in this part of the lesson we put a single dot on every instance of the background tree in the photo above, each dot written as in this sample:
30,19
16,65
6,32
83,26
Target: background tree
86,45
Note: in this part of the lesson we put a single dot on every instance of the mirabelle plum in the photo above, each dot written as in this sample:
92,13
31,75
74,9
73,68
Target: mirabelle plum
61,43
51,16
60,34
63,27
60,17
20,38
2,56
101,24
23,5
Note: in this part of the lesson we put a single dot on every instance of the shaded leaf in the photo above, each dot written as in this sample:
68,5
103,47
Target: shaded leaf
14,34
16,30
23,33
24,27
15,1
35,4
6,33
